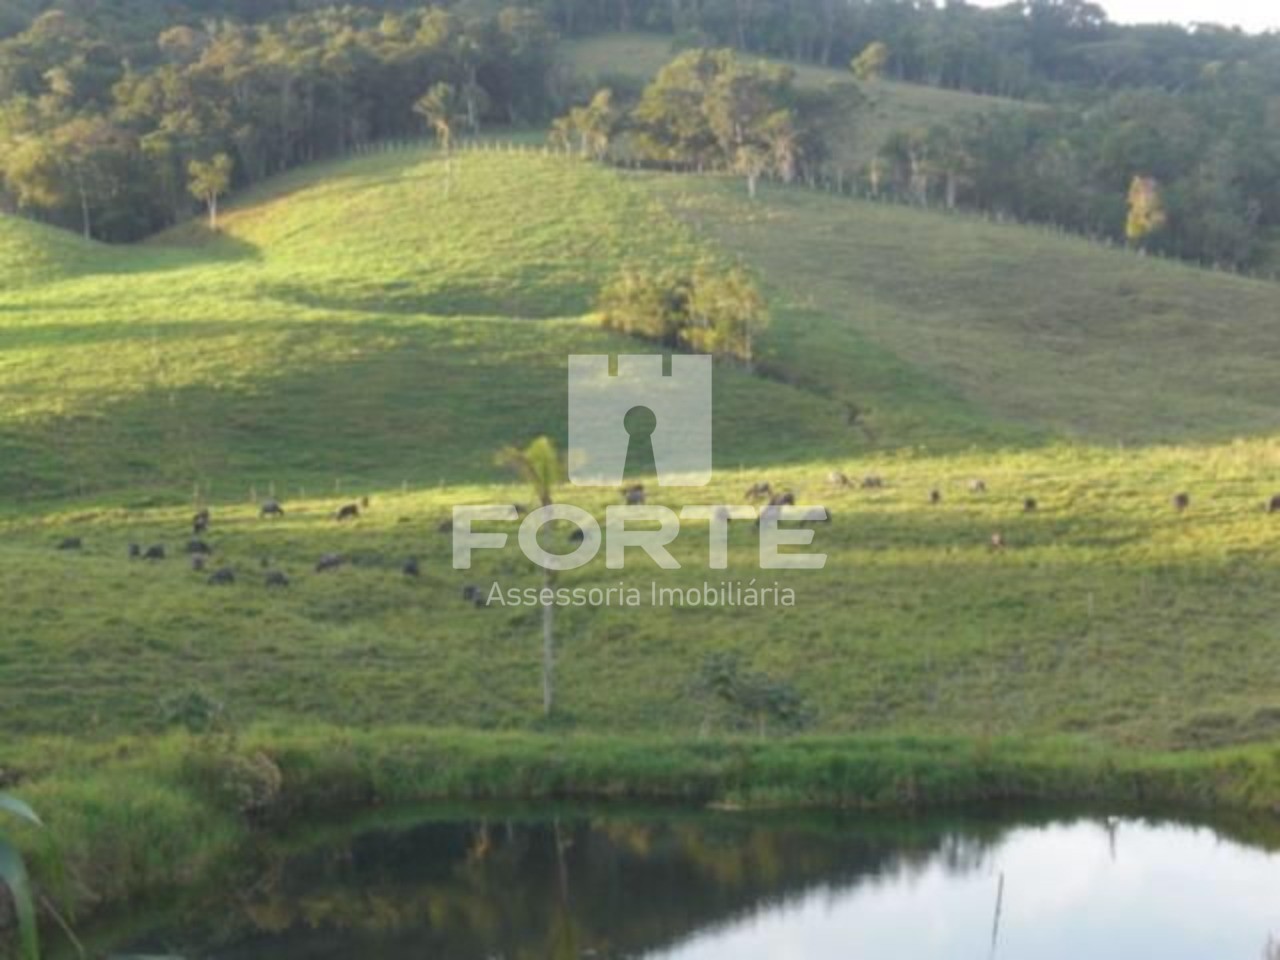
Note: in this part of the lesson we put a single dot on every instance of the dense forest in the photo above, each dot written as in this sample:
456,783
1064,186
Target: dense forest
114,136
118,117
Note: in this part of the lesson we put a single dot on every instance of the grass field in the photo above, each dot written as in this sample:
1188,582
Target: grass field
357,329
636,57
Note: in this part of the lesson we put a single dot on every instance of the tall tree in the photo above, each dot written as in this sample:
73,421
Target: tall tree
1146,210
870,63
441,108
209,180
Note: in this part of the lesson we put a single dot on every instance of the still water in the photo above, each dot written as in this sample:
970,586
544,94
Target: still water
683,886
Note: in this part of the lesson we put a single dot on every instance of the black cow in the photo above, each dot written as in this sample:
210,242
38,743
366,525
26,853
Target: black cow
222,577
330,561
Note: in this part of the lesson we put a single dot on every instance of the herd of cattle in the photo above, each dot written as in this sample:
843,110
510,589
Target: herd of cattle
200,552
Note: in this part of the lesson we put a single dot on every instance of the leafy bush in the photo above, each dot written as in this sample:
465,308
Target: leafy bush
248,783
705,311
744,699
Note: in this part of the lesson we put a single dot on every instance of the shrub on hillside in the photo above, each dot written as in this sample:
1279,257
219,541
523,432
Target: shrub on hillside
703,311
744,699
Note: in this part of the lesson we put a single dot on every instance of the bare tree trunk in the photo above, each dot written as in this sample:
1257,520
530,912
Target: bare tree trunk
548,648
213,211
85,220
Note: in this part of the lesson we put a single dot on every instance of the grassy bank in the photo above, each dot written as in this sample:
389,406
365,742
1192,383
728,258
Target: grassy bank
136,816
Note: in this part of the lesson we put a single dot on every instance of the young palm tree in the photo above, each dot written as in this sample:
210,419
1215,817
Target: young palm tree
540,466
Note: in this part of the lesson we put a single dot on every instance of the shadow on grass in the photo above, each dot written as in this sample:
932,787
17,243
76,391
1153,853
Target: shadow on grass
394,403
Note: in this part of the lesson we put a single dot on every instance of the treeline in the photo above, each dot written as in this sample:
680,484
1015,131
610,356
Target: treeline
714,110
95,139
1195,175
1024,49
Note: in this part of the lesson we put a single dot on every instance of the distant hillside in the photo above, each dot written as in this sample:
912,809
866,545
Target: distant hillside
637,57
379,319
31,252
344,308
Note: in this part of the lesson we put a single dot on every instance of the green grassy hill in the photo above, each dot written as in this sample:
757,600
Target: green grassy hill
636,57
366,328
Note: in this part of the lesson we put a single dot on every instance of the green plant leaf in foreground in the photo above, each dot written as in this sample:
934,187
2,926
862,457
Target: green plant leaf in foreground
13,805
13,874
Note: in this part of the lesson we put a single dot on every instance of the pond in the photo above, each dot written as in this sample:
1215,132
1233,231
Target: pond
678,885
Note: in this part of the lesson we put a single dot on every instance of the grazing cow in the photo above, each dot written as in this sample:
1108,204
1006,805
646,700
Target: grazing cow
935,497
1181,501
470,592
977,486
634,494
1029,505
837,479
411,567
784,499
200,522
276,578
271,508
222,577
872,482
330,561
758,491
1274,505
350,511
577,535
997,541
153,553
199,546
135,551
198,563
71,543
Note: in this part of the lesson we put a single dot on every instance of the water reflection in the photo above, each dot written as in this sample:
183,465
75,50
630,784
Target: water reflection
701,887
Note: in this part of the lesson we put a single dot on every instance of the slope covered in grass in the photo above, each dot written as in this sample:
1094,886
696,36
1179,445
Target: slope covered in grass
379,321
357,328
33,253
1052,333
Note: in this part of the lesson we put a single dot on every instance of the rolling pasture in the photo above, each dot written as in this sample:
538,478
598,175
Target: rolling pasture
382,326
